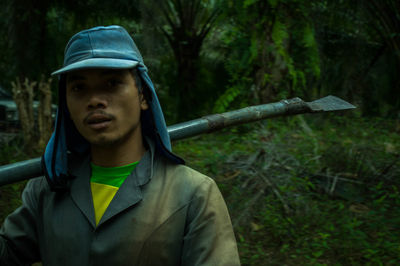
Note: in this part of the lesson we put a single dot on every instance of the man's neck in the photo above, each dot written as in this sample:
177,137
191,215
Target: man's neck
118,154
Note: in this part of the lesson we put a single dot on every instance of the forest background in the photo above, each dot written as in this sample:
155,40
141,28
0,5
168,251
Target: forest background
315,189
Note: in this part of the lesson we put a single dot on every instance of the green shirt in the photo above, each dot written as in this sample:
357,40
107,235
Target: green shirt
105,182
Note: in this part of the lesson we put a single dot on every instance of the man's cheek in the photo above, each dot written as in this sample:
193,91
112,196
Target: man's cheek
75,119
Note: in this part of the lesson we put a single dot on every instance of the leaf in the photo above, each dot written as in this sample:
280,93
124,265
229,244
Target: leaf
255,227
318,254
248,3
273,3
389,147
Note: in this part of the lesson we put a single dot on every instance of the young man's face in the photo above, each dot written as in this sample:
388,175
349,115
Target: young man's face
105,105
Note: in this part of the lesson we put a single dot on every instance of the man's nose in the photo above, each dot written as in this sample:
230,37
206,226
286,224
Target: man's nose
96,100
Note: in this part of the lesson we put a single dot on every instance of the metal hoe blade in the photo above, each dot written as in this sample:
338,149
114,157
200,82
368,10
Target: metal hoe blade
328,104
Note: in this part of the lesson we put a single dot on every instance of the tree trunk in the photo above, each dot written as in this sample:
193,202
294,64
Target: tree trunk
23,97
188,59
44,112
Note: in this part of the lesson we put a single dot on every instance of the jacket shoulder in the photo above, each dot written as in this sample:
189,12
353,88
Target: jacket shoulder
189,176
37,186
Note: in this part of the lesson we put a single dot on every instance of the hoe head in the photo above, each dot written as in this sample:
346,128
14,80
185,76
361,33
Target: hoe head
328,104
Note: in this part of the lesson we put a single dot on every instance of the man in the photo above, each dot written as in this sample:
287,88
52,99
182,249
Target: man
114,193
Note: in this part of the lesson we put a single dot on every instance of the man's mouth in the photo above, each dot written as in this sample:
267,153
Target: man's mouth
98,120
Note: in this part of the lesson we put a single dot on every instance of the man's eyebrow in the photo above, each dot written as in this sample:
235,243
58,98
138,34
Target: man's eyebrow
106,72
111,72
74,77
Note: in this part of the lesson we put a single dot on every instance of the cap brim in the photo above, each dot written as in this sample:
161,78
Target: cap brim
97,63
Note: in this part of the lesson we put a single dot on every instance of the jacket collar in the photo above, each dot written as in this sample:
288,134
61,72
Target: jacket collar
129,194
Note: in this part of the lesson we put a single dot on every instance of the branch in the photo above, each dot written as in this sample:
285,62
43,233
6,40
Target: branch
249,204
168,17
209,23
179,9
337,177
276,192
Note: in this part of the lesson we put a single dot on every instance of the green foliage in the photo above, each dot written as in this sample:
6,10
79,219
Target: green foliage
268,49
223,102
303,216
280,36
356,53
272,52
12,150
10,195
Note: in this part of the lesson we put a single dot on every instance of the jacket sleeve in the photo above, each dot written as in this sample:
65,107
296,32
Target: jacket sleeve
209,237
18,235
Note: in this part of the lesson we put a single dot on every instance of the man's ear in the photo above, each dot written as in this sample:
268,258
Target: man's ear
143,102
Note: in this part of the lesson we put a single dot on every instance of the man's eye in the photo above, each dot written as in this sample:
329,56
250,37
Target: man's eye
76,88
114,82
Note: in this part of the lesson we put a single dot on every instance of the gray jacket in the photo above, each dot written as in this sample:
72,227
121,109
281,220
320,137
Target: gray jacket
163,214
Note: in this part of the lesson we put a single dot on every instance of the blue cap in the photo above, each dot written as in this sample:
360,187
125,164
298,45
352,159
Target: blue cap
99,47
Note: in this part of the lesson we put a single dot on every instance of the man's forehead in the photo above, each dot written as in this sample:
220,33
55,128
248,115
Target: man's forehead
83,74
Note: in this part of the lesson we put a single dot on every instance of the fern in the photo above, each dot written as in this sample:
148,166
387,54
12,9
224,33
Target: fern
310,44
226,99
280,35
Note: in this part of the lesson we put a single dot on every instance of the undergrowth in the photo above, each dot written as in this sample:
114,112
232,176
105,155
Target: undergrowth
10,195
319,190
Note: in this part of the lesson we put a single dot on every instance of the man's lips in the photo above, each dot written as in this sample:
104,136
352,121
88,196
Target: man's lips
98,120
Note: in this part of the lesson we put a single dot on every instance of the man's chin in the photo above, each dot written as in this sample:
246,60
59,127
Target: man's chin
110,139
103,141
